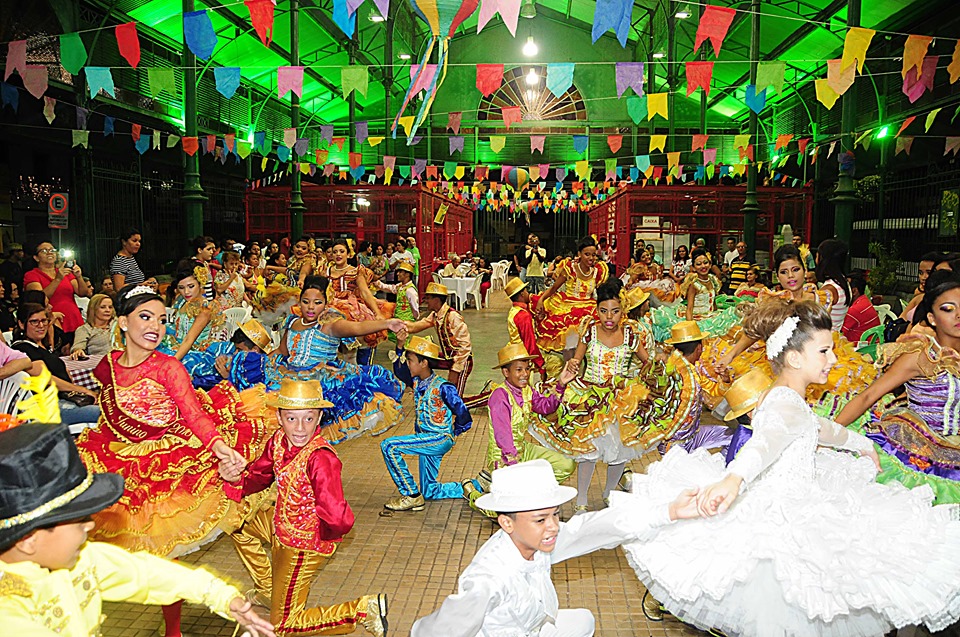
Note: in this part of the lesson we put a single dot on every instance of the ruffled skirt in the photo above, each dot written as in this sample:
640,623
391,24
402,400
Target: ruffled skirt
174,500
666,316
836,556
564,313
664,289
355,310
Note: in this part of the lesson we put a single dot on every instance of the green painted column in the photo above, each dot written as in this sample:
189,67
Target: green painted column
845,201
297,207
193,197
751,207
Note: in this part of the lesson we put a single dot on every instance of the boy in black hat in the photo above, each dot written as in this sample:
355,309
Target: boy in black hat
52,581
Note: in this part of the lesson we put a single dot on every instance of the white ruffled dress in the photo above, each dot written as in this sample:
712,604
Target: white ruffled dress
813,546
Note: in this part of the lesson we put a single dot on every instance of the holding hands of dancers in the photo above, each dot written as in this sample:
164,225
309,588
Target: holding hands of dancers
232,463
253,625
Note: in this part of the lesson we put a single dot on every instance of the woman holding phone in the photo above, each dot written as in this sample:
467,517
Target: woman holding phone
59,279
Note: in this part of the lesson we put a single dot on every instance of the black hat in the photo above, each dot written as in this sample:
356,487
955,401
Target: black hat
44,482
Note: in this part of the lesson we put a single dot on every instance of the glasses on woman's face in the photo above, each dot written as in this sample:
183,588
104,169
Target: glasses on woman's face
39,322
47,251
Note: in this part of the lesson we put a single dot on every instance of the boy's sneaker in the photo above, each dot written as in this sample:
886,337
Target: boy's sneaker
406,503
376,620
469,488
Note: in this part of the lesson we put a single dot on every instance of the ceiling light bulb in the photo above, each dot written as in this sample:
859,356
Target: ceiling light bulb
530,95
405,56
528,9
530,48
376,18
659,55
532,78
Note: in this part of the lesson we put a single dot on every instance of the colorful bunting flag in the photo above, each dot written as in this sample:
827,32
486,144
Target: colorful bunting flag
636,107
629,75
128,42
673,159
283,153
825,93
741,141
700,141
49,110
326,133
35,78
99,77
917,82
497,142
755,101
580,143
302,147
261,16
657,142
289,137
489,78
914,51
80,138
421,80
227,79
156,140
904,125
290,78
353,78
536,143
143,144
904,144
583,169
838,79
161,79
16,58
198,33
361,130
354,159
643,162
782,141
612,14
456,144
73,55
699,75
511,115
406,122
657,105
615,142
10,96
321,156
344,18
373,141
81,114
710,156
855,47
952,145
509,10
560,78
954,67
802,145
932,115
453,122
771,74
338,142
714,24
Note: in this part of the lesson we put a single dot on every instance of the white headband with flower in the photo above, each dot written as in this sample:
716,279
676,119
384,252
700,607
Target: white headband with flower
778,340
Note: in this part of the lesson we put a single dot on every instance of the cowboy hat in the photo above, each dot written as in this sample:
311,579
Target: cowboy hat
745,392
258,335
513,287
512,352
525,486
43,481
684,332
298,394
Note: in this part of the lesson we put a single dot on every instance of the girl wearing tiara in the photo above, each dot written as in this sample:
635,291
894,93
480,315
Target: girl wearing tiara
798,541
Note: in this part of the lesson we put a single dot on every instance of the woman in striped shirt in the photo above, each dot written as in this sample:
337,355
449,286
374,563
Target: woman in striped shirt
124,269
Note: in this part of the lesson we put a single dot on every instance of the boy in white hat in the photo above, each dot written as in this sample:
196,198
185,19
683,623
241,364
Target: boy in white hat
506,589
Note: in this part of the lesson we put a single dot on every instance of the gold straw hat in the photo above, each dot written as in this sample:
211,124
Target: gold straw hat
256,332
406,267
512,352
745,392
424,347
635,298
514,286
684,332
437,289
298,394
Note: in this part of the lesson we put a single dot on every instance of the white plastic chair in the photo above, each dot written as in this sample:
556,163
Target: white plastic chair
8,337
82,302
503,273
437,278
11,393
234,317
884,312
474,292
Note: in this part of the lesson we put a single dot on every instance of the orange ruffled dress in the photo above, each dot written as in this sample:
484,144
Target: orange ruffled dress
157,432
345,297
567,308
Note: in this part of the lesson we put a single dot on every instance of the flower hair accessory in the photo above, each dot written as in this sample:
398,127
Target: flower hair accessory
778,340
137,291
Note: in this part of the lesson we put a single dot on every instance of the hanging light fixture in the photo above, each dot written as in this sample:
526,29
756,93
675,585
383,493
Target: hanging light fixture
530,48
531,95
659,55
528,9
683,12
404,56
532,78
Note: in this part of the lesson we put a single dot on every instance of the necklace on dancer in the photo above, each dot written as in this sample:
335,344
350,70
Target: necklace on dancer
584,275
305,323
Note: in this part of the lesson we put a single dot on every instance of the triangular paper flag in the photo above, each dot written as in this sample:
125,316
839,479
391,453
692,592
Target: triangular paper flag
611,169
453,122
407,123
321,156
580,143
156,140
456,144
782,141
755,101
802,146
354,78
227,79
361,130
173,140
373,141
289,137
710,156
560,78
952,145
345,19
914,51
355,159
338,142
489,78
509,10
129,43
497,142
73,55
326,133
629,75
904,143
918,82
826,95
771,74
99,77
16,58
261,16
283,153
954,68
700,141
637,107
657,105
161,80
614,142
612,14
840,80
741,141
932,115
714,24
657,142
511,115
290,78
699,75
199,35
904,125
583,169
81,138
49,105
643,162
536,143
35,79
301,148
673,159
855,47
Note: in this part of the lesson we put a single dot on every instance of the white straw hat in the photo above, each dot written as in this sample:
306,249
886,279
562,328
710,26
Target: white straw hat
526,486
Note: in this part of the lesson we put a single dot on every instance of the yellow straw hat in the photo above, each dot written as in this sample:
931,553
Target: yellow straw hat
298,394
256,332
424,347
406,267
514,286
437,289
684,332
512,352
745,392
635,298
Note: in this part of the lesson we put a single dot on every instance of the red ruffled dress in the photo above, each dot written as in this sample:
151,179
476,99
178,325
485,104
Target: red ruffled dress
157,431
